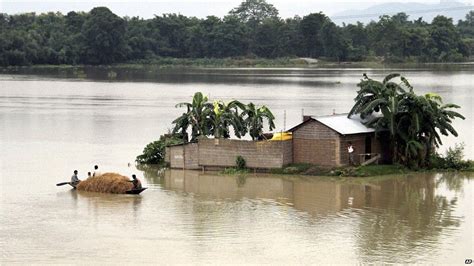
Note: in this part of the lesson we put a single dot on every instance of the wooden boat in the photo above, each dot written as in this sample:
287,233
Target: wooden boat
131,191
135,191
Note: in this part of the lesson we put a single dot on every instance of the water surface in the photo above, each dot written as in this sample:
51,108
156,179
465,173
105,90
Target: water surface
54,123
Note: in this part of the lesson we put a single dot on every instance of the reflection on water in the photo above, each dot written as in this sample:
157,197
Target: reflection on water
399,219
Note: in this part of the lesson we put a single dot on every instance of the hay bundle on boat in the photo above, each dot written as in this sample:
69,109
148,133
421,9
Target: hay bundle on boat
106,183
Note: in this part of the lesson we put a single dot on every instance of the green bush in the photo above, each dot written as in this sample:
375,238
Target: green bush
452,160
240,162
154,152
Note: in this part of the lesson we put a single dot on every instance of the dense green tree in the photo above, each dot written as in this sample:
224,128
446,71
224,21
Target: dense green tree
333,41
445,41
268,39
387,37
356,35
139,38
251,29
414,122
103,33
230,38
154,152
466,27
254,11
311,29
173,32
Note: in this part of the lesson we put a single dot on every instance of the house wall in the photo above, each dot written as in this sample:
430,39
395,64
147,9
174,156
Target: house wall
287,147
316,143
358,143
379,144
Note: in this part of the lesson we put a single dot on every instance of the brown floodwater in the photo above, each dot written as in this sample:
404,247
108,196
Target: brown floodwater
53,123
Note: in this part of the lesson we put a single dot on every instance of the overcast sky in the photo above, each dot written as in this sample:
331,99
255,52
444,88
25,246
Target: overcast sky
198,8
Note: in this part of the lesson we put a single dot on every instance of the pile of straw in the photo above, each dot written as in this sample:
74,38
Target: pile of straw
106,183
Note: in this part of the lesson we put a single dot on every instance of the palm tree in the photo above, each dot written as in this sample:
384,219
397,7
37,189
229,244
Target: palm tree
384,97
254,119
197,116
225,115
413,121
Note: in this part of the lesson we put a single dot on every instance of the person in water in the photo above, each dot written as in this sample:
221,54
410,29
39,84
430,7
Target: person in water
74,179
96,171
137,184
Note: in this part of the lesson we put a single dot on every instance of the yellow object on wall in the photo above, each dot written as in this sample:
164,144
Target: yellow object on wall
282,136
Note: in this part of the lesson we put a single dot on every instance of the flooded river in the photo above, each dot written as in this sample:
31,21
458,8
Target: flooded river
53,123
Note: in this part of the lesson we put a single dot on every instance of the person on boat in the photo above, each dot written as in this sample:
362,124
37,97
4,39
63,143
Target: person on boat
89,175
137,184
74,179
96,171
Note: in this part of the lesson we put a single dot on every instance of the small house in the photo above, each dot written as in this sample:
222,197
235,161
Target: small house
324,141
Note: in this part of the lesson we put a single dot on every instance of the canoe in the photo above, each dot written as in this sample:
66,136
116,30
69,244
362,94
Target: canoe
135,191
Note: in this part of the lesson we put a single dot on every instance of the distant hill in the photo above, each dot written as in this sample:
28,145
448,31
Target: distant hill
453,10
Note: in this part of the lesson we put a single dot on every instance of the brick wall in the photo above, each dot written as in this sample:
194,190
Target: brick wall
319,152
287,152
176,156
180,153
191,156
316,143
260,154
314,130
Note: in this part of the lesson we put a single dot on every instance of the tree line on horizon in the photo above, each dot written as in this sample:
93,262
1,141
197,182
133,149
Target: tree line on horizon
253,29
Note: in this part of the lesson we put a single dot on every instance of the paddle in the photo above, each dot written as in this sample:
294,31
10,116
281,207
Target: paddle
62,184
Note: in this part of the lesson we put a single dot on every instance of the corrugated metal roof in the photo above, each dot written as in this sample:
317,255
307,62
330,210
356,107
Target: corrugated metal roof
344,125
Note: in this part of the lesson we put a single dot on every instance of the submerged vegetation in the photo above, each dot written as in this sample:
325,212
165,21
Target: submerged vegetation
252,30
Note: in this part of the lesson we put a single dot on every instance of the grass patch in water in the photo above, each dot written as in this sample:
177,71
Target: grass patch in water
234,171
